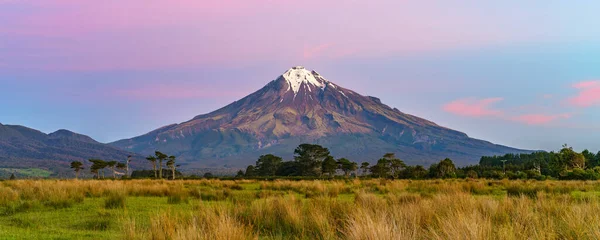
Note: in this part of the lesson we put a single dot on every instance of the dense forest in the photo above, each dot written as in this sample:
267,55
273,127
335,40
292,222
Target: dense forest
565,164
315,161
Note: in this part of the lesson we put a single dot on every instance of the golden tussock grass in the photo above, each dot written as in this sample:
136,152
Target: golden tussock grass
351,209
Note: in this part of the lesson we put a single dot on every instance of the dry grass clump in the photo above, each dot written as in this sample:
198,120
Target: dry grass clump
207,223
115,200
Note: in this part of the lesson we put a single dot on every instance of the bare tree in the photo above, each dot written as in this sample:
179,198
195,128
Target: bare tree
127,167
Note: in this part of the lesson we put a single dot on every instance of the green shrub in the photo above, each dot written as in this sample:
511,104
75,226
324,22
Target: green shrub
177,199
59,203
99,224
517,191
215,195
236,187
20,206
114,201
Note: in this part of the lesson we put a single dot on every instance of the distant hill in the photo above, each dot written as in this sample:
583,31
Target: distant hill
302,106
22,147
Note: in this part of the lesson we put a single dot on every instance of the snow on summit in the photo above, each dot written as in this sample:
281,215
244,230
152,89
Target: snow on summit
298,75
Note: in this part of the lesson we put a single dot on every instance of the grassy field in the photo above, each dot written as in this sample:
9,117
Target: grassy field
247,209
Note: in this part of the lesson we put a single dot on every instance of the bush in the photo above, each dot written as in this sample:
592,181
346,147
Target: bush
114,201
99,224
59,203
472,174
19,206
177,199
236,187
517,191
215,195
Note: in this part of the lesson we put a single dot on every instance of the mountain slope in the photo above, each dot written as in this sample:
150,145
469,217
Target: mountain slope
302,106
22,147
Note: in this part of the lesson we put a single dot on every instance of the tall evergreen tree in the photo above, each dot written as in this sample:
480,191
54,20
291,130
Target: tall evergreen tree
444,169
160,157
267,165
364,167
171,165
97,167
382,169
347,166
396,165
250,171
309,158
152,159
329,165
77,166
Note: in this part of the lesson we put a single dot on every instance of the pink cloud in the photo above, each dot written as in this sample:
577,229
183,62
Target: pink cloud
162,91
589,94
316,51
471,107
150,34
539,119
586,84
474,107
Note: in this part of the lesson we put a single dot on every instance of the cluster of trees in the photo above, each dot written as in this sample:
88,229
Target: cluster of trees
316,161
159,158
565,164
99,166
310,160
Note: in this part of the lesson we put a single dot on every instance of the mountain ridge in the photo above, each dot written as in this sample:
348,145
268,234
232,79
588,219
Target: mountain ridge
24,147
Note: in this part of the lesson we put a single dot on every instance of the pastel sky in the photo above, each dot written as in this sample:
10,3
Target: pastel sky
520,73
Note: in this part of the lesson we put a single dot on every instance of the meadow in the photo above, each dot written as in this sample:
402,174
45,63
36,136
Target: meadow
287,209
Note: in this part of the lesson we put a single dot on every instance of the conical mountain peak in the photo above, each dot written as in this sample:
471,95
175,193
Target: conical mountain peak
301,106
297,76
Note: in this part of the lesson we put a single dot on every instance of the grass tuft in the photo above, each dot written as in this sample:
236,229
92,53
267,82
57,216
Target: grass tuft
115,201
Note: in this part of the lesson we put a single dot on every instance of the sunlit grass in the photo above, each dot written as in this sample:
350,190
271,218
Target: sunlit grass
282,209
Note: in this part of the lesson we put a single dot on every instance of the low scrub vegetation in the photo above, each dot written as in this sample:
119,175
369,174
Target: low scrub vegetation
285,209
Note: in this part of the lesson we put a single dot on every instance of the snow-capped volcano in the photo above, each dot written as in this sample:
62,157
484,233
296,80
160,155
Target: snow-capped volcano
302,106
297,77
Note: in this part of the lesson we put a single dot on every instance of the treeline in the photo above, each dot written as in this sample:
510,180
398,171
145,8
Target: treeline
312,160
99,166
316,161
566,164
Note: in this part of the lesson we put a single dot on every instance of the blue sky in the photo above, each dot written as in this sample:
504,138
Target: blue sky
523,74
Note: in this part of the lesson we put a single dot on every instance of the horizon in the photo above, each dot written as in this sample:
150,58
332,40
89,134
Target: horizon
517,74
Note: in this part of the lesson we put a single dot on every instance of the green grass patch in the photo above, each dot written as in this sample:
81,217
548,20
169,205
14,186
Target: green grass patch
26,172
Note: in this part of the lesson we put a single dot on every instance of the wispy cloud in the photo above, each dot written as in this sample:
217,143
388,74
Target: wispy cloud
471,107
315,51
588,95
163,91
539,119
